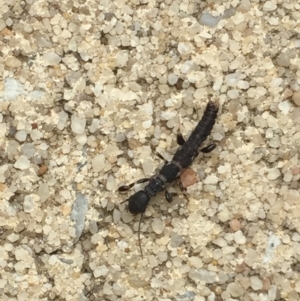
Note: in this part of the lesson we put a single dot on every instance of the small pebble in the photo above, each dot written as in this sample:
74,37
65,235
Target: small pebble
172,79
269,6
203,275
211,179
21,136
98,163
12,62
122,58
81,139
52,58
239,237
35,135
224,216
296,98
157,226
235,225
188,177
77,124
22,163
176,240
164,89
185,48
273,174
110,184
42,170
256,283
208,20
100,271
284,107
173,9
245,6
146,124
240,267
235,289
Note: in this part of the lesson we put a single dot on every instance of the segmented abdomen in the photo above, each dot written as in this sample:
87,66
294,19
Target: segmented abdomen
186,154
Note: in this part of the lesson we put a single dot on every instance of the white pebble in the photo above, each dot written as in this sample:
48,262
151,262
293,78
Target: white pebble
52,260
228,250
157,226
36,135
221,242
185,48
242,84
146,124
211,179
12,89
72,45
173,9
239,238
172,79
13,237
43,192
167,115
22,254
148,166
223,216
288,176
21,136
81,139
273,21
256,283
110,184
218,84
187,66
120,137
231,79
22,163
233,94
122,58
94,126
284,107
98,163
52,58
30,201
273,174
296,237
100,271
169,102
224,168
269,6
77,124
235,290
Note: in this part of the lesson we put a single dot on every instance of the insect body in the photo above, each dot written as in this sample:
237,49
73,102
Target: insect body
183,158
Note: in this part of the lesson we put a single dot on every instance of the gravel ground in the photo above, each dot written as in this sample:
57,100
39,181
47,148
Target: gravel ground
90,91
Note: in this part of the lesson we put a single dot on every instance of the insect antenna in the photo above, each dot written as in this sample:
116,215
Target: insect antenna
139,236
127,200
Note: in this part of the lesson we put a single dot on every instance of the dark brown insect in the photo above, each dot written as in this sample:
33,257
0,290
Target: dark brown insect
183,158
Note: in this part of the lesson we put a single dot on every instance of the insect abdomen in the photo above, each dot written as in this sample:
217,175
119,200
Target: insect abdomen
202,130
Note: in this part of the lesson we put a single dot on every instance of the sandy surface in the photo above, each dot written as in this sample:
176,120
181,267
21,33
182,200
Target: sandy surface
90,91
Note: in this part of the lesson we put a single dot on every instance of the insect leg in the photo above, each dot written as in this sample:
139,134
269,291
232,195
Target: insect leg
208,149
127,187
161,157
139,236
169,196
180,139
183,189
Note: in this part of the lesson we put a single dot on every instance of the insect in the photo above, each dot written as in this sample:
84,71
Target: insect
183,158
